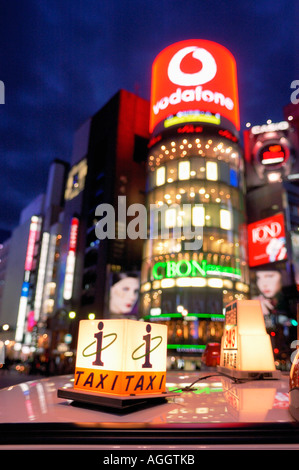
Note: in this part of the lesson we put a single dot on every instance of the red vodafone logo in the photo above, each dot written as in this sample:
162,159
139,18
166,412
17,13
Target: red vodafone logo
207,72
194,75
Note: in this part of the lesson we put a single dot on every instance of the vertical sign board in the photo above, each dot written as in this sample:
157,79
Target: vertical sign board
245,346
121,357
71,260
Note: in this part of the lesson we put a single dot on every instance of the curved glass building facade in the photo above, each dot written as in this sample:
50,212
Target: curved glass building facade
194,259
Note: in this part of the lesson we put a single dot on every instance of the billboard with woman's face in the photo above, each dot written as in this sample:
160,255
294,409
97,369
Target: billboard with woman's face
268,286
123,294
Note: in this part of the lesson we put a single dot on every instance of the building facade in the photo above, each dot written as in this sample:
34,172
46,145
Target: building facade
272,200
195,257
107,173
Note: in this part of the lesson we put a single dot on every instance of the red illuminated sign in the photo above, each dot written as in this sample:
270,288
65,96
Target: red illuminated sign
194,76
73,234
33,233
273,154
267,241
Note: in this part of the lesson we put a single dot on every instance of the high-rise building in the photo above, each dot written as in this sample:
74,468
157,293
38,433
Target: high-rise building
195,259
107,172
30,273
272,200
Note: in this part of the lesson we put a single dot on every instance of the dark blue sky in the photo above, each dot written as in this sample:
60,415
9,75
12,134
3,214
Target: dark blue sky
61,61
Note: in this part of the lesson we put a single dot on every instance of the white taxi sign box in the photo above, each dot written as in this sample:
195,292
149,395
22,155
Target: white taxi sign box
246,350
119,358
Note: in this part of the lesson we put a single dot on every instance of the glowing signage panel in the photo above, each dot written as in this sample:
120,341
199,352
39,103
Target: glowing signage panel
267,241
121,357
71,260
245,346
196,78
33,235
186,268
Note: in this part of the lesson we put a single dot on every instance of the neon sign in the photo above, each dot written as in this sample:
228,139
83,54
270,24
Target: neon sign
194,73
71,259
273,154
185,268
33,234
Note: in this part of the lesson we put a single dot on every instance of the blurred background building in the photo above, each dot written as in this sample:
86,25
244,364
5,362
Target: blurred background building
241,197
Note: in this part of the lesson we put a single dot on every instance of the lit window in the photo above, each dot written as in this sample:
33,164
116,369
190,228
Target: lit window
160,176
184,170
212,171
198,216
225,219
170,217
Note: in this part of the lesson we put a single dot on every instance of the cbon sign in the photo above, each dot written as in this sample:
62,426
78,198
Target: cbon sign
267,241
194,75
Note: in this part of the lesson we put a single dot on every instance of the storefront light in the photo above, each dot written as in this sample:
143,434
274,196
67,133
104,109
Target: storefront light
214,282
191,282
166,283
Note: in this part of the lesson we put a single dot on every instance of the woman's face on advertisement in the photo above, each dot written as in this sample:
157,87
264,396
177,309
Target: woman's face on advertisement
268,283
123,295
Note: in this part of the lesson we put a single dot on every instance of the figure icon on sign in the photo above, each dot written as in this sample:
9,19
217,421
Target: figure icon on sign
148,349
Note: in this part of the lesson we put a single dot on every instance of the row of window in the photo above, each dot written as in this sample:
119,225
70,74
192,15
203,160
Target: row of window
197,193
190,220
194,146
219,242
167,302
196,168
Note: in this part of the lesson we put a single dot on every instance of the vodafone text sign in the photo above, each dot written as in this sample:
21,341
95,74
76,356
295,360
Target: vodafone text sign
194,75
267,241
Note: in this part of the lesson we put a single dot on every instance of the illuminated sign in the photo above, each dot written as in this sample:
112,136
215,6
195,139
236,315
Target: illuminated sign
186,268
41,274
245,345
121,357
272,127
71,260
267,241
34,229
273,154
194,80
33,235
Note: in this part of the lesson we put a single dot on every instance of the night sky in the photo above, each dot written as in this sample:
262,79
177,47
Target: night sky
61,61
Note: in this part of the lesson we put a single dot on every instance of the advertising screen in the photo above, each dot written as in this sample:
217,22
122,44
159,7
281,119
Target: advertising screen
194,81
267,241
123,294
270,154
